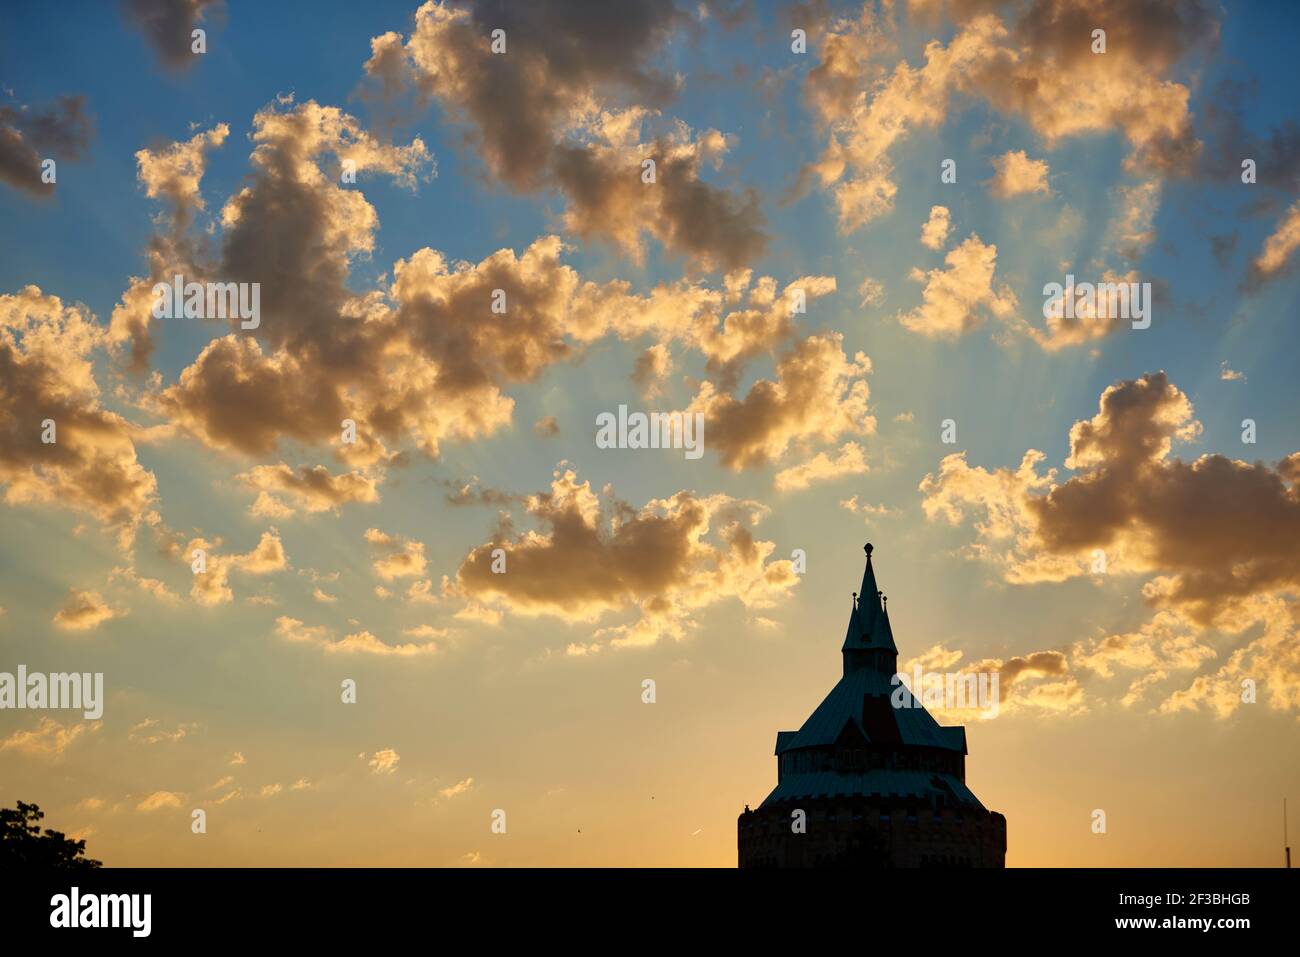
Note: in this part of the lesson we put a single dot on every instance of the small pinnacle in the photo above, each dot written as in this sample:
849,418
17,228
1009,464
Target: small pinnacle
867,548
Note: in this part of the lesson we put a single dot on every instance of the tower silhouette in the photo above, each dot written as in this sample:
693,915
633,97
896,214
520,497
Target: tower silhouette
871,779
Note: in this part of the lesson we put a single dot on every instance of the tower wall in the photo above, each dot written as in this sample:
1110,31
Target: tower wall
865,833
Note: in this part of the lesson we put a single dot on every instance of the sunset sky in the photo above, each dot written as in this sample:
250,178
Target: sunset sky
776,171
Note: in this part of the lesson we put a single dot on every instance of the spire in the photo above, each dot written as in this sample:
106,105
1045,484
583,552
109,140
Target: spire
853,637
883,636
869,591
868,632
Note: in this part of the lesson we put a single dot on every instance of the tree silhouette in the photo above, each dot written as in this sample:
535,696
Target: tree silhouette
23,845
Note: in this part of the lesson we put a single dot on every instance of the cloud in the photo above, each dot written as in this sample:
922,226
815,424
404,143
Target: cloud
1230,375
548,427
1016,174
46,373
396,556
762,327
872,292
149,731
27,138
818,395
935,231
711,228
294,230
479,613
158,589
823,468
292,629
360,642
851,504
1278,247
212,586
1133,230
425,631
433,366
1265,667
173,175
1038,683
865,126
283,491
168,26
1269,665
1038,67
457,789
848,53
159,800
475,493
422,358
563,108
385,761
85,611
1130,500
666,560
1165,644
1092,319
48,740
652,369
956,299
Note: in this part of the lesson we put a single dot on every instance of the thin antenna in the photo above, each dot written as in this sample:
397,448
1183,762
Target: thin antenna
1285,843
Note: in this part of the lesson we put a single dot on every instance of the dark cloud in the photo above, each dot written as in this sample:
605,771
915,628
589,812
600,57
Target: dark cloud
1222,246
1228,141
563,107
61,132
168,25
1218,530
589,556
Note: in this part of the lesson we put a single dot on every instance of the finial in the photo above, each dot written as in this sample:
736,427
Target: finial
855,599
867,548
885,598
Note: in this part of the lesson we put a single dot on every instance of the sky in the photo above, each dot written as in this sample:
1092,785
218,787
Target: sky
839,265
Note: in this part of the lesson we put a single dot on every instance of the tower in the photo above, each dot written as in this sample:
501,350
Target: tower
877,785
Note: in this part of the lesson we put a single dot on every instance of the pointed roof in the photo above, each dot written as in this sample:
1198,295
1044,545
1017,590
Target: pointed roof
868,623
861,698
884,635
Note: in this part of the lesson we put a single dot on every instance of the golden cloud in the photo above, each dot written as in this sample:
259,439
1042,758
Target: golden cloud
84,611
1218,530
46,375
587,557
